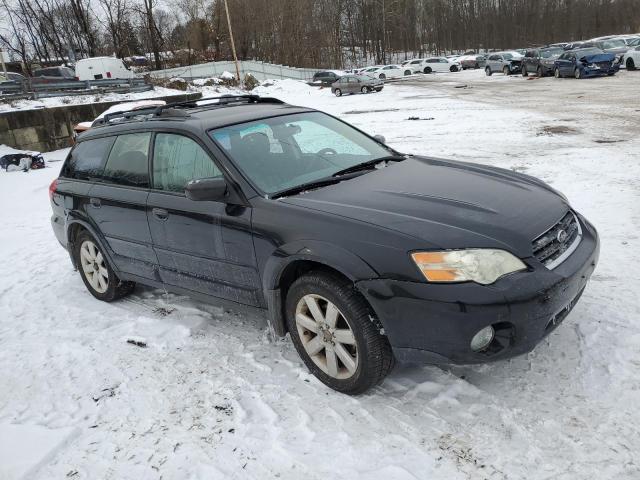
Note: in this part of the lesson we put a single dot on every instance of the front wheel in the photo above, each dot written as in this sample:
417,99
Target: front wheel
540,72
453,68
506,71
630,64
427,70
407,72
577,73
524,71
382,76
364,90
96,273
556,73
335,333
338,92
487,71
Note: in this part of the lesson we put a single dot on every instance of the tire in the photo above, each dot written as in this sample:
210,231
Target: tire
506,71
96,273
630,64
540,72
453,68
556,73
407,72
364,90
366,352
382,76
488,71
338,92
524,71
427,70
577,74
476,66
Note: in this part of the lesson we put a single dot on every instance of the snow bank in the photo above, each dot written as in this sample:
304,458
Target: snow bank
287,86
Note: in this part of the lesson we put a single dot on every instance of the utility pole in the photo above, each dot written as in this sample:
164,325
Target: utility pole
4,67
233,45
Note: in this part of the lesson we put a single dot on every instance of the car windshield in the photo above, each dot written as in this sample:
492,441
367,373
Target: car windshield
363,78
280,153
588,51
614,43
551,52
507,56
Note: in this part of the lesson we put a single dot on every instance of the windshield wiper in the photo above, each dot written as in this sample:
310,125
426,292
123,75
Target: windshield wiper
323,182
370,165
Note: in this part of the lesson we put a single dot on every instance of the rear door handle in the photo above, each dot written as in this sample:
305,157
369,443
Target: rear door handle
95,202
160,213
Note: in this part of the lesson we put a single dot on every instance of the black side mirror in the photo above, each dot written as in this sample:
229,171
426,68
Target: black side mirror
206,189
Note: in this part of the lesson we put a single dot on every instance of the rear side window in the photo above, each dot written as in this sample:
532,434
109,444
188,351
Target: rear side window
128,162
87,159
177,160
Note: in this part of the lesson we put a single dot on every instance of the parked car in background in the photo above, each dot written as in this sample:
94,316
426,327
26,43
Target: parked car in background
14,77
356,84
363,255
415,65
585,62
440,64
369,70
631,59
615,46
100,68
386,71
472,61
53,75
573,45
327,77
506,62
10,80
540,61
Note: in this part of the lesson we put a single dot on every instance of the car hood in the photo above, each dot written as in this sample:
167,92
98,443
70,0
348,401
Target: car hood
599,57
445,204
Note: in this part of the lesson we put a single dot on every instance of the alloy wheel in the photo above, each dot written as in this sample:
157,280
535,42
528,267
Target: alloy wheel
326,336
94,267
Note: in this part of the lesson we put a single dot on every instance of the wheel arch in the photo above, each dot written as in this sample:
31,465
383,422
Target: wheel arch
75,226
289,263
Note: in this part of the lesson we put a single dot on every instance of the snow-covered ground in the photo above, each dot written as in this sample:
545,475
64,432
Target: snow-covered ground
211,396
82,99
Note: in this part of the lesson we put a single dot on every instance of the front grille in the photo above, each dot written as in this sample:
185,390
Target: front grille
553,246
604,65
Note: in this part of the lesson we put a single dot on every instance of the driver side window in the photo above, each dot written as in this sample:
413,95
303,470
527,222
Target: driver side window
177,160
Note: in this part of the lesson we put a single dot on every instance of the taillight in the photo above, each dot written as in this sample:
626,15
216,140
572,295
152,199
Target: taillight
108,74
76,78
52,188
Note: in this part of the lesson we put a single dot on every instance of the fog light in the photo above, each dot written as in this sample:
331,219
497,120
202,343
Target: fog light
482,339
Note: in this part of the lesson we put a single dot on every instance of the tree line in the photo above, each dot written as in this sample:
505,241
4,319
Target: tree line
303,33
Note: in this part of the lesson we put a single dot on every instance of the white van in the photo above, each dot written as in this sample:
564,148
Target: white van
102,68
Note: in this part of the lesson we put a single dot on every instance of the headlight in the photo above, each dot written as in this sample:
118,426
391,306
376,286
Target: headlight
478,265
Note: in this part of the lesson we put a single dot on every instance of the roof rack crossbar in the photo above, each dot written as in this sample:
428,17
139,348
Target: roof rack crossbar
155,111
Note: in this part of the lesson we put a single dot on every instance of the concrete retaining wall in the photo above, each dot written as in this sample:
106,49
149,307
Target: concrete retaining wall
47,129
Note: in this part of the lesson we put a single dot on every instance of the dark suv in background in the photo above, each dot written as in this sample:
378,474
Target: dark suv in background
326,77
362,254
540,60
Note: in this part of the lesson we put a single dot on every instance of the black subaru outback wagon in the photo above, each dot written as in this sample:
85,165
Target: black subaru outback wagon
362,254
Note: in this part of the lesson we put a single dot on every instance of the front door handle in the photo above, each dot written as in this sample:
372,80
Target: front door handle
160,213
95,202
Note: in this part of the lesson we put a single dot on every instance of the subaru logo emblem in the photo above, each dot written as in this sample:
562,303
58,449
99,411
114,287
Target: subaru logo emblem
562,236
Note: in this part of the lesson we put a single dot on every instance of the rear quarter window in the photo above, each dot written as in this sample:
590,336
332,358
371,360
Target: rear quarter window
86,160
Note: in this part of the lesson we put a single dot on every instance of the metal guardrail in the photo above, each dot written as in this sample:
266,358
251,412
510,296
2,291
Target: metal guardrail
34,90
260,70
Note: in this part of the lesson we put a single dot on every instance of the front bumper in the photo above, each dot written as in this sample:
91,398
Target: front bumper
434,323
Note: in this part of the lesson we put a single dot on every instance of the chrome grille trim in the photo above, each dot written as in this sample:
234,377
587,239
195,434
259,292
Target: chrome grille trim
548,241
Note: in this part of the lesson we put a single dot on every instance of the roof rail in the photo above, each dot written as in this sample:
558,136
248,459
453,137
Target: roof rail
176,109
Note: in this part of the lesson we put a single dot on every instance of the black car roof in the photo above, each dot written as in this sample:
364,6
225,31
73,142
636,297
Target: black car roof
198,118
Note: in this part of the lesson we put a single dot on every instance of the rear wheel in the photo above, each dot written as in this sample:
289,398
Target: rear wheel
364,90
407,72
382,76
427,70
338,92
540,72
453,68
96,273
335,333
487,71
630,64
